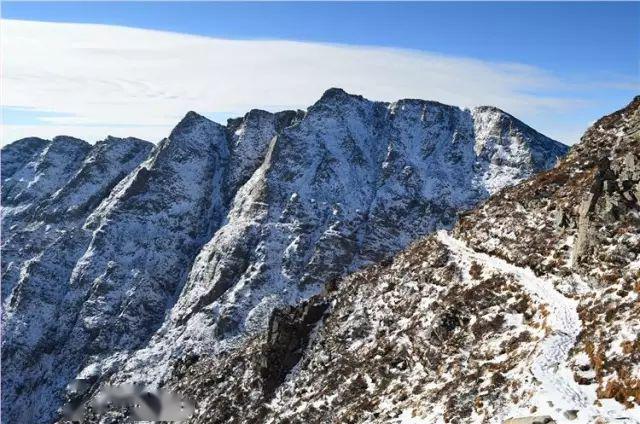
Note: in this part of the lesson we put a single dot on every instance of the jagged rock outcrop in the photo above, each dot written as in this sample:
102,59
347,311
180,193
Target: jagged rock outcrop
614,191
287,337
119,260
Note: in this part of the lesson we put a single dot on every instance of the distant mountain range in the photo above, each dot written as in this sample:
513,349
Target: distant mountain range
122,260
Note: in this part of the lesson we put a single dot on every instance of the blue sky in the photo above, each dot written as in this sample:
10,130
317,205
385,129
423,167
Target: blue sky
585,53
576,37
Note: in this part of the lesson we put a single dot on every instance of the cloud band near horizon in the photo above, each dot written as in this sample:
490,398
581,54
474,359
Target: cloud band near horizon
90,81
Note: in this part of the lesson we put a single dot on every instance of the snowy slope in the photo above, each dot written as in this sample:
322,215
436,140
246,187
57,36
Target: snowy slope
138,257
559,392
54,190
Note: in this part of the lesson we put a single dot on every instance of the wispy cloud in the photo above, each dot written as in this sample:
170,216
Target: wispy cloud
85,77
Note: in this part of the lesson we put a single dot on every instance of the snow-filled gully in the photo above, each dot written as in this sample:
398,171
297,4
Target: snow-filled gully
558,391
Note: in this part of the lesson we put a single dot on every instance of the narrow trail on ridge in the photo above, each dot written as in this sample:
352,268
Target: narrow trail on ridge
549,367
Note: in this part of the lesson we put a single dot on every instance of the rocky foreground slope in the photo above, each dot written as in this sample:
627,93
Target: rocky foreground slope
528,311
121,258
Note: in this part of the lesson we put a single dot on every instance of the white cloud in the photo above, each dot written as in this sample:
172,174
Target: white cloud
125,81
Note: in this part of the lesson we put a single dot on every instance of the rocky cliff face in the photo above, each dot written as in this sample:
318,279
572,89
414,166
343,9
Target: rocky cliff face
120,258
45,205
528,311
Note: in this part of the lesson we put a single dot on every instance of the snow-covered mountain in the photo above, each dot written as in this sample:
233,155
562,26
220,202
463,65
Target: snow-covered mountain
528,311
122,257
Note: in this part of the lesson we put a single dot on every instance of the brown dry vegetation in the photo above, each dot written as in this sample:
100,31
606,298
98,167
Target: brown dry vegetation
526,212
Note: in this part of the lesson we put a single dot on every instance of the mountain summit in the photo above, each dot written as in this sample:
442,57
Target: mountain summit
122,257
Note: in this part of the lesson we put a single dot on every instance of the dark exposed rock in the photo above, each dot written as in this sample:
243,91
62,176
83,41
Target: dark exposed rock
610,196
287,337
560,219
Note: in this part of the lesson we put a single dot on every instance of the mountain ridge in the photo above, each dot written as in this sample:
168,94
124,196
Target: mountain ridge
509,318
191,243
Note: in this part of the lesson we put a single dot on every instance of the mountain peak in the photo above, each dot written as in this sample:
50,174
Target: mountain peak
15,155
67,139
337,94
65,143
258,113
194,124
27,141
192,117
